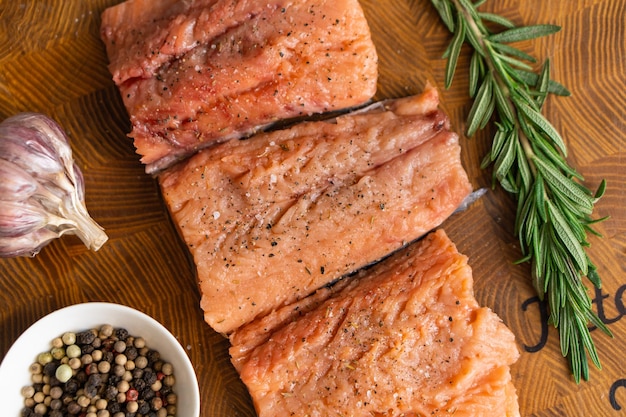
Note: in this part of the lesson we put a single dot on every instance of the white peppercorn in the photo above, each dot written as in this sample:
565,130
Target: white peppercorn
120,346
75,363
28,391
41,409
56,392
141,362
121,359
139,342
96,355
104,367
132,406
57,342
106,330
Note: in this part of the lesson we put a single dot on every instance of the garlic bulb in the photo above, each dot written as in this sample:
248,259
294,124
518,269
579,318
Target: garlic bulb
41,188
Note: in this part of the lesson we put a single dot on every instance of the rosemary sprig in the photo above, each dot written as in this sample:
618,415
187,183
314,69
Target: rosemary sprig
529,161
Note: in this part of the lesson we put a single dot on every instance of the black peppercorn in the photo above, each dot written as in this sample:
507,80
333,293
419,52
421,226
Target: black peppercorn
149,376
121,333
71,386
144,407
85,338
153,356
131,353
148,394
114,407
93,384
108,356
50,368
85,349
139,384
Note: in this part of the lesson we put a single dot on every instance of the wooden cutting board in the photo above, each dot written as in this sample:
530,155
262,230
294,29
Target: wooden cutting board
52,61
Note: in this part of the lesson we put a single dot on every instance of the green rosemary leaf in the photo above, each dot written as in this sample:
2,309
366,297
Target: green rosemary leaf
595,320
543,83
514,63
524,33
455,51
479,3
567,237
561,183
497,19
525,174
506,158
600,191
475,73
444,8
531,78
540,197
547,151
480,107
542,123
513,52
504,107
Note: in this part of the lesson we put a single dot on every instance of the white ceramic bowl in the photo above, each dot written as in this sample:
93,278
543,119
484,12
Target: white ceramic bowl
14,373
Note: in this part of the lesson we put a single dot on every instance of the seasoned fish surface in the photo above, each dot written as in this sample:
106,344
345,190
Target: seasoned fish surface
405,338
271,219
193,73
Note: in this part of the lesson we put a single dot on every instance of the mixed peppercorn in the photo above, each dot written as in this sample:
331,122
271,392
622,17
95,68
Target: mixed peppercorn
102,372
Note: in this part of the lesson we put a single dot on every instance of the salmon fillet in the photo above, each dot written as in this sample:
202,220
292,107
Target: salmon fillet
194,73
404,338
273,218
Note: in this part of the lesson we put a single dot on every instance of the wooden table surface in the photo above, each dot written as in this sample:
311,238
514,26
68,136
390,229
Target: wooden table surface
52,61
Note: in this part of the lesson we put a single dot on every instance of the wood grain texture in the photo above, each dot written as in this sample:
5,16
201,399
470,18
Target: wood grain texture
52,61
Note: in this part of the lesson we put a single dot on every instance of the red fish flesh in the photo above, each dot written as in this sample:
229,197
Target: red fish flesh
273,218
404,338
194,73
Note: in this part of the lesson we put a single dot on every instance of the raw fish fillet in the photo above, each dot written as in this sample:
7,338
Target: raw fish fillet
273,218
404,338
197,72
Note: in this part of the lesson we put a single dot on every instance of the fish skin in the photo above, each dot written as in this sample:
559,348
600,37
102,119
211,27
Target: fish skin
403,338
273,218
204,72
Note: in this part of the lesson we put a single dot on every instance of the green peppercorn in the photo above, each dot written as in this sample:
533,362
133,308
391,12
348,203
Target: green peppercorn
73,351
57,352
63,373
44,358
69,338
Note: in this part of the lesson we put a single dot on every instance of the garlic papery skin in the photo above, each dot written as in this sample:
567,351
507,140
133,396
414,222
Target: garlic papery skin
41,188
